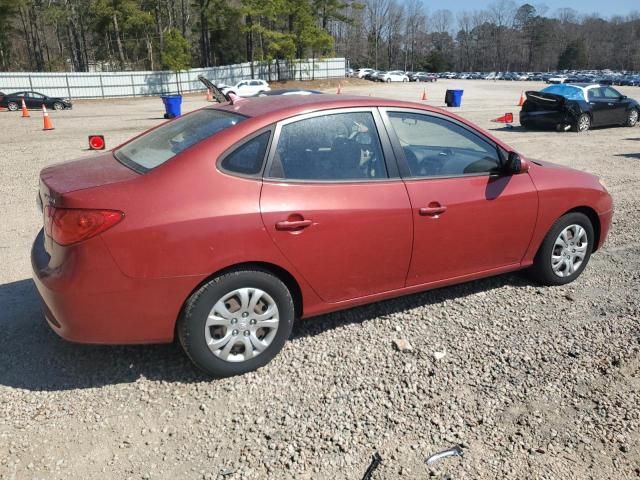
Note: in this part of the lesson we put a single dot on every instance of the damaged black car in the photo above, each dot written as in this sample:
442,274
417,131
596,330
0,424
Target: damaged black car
578,107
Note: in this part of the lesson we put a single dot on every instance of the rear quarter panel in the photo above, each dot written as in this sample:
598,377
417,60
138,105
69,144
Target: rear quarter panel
186,218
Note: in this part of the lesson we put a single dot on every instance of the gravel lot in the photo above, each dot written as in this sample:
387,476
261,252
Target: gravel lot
534,382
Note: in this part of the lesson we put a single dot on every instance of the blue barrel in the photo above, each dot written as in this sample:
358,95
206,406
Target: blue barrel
172,105
453,98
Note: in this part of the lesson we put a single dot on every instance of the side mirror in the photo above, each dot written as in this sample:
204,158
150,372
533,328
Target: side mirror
623,97
515,164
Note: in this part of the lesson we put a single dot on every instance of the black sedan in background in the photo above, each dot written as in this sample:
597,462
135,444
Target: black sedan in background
13,101
578,107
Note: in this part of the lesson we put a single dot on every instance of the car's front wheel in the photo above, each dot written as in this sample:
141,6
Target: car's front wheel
632,118
583,123
565,251
237,322
13,106
388,80
58,106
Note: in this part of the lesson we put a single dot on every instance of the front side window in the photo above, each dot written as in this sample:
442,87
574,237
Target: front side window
157,146
333,147
436,147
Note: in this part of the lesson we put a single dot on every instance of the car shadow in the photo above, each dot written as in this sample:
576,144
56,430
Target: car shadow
628,155
34,358
511,128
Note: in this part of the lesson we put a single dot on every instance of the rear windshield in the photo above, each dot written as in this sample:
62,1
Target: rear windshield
566,91
165,142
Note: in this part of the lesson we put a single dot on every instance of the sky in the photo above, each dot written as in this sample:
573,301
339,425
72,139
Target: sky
605,9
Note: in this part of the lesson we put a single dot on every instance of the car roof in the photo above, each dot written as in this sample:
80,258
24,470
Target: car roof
283,106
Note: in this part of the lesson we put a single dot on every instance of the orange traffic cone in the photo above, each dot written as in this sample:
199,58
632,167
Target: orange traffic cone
506,118
523,97
339,89
25,112
209,95
48,124
424,94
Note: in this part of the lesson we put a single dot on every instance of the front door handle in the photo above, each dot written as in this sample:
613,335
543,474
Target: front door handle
288,225
432,211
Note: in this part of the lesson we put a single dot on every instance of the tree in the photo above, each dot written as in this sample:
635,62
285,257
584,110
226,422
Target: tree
176,55
574,56
8,10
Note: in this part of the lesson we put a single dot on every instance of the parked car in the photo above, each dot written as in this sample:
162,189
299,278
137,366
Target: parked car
556,79
223,226
246,88
348,72
393,76
424,77
579,107
363,72
371,75
13,101
288,91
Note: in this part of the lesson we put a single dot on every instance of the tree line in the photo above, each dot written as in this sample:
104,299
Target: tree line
86,35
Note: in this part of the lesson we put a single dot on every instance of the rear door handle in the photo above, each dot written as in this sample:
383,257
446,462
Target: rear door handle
288,225
432,211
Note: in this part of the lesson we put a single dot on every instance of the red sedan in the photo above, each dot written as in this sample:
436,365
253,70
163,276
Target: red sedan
225,225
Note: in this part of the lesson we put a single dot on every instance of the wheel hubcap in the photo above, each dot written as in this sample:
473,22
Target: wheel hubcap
633,116
569,250
584,123
242,324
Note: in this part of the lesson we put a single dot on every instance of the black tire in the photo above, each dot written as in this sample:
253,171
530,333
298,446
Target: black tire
542,270
583,123
191,324
58,106
388,80
632,118
13,106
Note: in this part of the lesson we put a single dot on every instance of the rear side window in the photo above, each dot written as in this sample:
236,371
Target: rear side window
247,158
333,147
157,146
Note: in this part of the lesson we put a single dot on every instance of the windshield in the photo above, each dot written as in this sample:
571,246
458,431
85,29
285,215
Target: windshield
165,142
567,91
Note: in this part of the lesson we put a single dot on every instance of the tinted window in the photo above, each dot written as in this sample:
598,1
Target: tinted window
165,142
247,159
611,93
436,147
343,146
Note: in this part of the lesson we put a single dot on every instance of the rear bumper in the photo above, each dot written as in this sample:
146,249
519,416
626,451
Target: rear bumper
86,298
544,119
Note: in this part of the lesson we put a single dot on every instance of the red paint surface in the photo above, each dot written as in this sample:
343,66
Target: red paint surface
185,220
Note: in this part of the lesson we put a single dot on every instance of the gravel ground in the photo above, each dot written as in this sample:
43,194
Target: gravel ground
533,382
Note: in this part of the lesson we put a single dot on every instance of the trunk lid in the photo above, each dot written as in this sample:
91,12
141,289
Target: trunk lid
94,171
544,101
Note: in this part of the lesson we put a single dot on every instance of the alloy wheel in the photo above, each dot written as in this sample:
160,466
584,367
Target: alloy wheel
569,250
584,122
242,324
633,117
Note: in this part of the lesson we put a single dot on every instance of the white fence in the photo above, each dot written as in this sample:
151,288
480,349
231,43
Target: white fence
134,84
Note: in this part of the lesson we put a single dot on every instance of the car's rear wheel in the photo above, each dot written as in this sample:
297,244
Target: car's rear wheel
58,106
583,123
13,106
565,251
632,118
237,322
388,80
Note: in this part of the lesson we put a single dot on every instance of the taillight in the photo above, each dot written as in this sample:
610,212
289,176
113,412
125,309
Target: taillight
72,225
